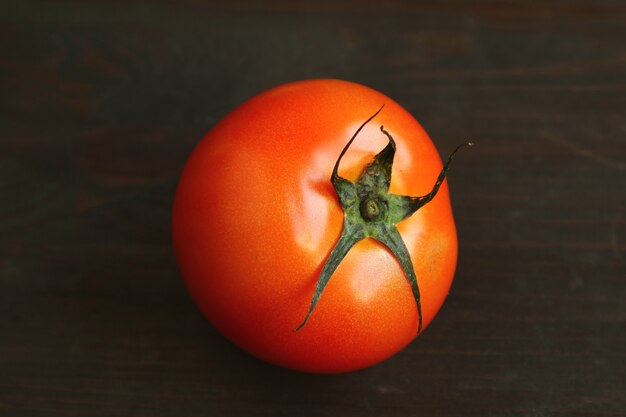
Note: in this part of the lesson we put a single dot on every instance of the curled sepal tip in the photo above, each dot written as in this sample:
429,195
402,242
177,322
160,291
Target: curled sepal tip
405,206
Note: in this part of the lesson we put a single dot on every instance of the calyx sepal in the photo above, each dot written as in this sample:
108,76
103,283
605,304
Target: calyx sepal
371,211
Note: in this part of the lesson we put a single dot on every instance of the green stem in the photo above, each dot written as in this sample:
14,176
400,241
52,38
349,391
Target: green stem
371,211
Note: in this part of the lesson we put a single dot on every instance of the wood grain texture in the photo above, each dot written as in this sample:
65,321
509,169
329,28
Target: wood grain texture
101,102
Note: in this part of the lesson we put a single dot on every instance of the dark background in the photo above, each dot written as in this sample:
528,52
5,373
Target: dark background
102,101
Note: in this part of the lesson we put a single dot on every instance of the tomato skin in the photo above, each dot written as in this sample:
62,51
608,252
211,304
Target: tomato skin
255,217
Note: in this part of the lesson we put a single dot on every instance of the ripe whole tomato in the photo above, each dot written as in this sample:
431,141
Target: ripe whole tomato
256,217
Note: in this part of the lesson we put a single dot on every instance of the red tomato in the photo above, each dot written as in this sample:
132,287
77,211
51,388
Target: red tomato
255,217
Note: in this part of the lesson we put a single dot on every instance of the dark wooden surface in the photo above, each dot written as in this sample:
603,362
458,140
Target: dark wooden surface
101,102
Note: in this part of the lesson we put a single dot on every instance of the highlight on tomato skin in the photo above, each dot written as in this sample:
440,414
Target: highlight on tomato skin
259,215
